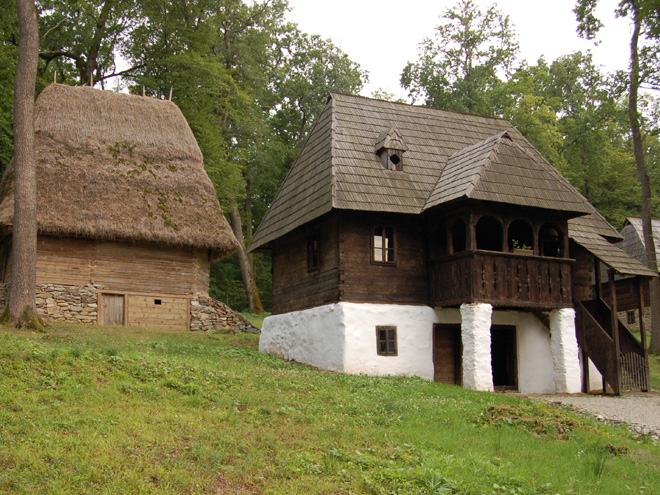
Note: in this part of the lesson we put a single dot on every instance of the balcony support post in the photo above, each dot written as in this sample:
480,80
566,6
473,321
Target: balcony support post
475,334
565,354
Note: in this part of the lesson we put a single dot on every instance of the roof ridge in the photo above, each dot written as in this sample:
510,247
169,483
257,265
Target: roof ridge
412,105
489,160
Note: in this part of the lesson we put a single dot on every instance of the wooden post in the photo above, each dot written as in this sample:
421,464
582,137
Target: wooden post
615,334
471,233
599,286
585,372
642,332
450,236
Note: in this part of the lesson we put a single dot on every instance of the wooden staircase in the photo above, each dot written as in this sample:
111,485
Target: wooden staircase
618,356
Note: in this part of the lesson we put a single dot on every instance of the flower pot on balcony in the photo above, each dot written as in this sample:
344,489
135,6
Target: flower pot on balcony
524,252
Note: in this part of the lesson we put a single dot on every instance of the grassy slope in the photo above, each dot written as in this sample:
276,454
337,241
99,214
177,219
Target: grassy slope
103,410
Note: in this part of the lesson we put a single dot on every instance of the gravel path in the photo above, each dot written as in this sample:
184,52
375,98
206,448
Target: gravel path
640,411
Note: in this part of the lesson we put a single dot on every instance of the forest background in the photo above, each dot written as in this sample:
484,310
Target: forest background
251,83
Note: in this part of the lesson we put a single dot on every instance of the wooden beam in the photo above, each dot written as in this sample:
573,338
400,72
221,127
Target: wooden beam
615,334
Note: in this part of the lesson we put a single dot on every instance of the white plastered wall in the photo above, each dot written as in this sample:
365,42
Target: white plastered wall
342,337
535,363
313,336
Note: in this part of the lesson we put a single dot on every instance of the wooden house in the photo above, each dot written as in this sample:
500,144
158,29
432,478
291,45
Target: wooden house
128,219
633,245
417,241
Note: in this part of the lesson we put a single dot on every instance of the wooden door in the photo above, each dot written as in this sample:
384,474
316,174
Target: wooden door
112,309
447,351
504,357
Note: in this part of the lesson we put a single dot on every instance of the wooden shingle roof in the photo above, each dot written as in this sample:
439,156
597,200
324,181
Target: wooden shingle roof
633,238
497,169
339,168
611,255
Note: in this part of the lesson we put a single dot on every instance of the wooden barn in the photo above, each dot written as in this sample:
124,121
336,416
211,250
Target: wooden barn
417,241
128,219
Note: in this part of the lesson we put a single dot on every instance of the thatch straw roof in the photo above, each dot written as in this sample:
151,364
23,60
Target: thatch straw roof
122,167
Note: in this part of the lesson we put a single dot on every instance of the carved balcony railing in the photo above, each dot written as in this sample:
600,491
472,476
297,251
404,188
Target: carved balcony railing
501,279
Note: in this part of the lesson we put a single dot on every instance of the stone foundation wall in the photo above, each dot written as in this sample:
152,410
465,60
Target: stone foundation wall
208,315
79,304
72,303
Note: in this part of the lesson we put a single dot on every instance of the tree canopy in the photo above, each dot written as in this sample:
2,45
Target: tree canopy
250,84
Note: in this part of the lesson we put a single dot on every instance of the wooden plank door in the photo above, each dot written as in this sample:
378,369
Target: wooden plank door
447,351
112,309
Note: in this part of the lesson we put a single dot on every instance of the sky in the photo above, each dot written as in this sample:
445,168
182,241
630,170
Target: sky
382,35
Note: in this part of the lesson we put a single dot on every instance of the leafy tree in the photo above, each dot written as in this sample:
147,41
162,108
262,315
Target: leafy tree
460,68
249,85
82,37
644,69
527,101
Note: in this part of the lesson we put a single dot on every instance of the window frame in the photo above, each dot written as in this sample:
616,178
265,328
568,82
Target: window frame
387,341
313,253
393,249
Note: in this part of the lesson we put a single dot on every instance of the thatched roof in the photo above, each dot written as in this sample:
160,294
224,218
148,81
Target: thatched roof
114,166
339,169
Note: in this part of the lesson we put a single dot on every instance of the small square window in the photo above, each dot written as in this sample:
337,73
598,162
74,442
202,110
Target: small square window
630,317
386,340
313,257
158,301
383,245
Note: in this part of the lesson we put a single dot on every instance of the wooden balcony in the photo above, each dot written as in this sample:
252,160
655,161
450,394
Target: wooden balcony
501,279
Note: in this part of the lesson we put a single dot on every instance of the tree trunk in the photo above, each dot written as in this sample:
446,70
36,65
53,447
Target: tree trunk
647,224
249,284
248,217
22,303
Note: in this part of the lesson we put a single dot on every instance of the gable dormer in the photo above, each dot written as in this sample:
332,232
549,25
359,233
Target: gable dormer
390,148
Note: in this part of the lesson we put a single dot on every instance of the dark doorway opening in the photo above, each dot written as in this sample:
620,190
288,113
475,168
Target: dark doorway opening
504,358
447,352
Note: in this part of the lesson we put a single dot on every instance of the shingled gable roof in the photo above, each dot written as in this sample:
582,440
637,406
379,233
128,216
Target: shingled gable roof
497,169
611,255
338,167
633,238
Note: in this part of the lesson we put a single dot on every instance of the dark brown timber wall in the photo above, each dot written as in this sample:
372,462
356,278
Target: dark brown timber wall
294,286
581,269
121,266
404,282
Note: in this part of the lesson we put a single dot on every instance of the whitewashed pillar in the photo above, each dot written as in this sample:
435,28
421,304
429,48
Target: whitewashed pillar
475,333
565,355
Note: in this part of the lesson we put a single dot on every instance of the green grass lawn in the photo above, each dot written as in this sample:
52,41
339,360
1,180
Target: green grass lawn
654,369
86,409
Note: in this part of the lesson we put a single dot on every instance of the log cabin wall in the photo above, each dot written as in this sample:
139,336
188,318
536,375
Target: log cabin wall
364,280
295,285
121,266
581,269
626,294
